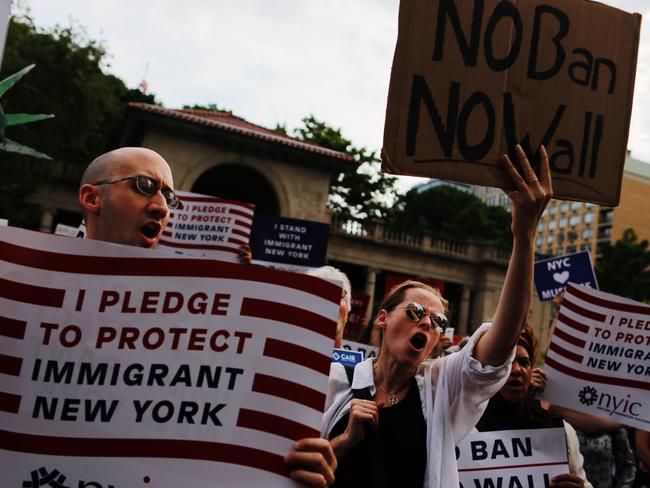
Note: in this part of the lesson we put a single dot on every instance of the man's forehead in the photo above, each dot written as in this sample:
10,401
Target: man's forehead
143,163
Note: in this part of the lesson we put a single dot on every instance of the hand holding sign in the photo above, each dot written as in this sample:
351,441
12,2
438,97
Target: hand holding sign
531,194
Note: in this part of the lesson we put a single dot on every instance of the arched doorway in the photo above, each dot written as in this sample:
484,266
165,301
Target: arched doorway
242,183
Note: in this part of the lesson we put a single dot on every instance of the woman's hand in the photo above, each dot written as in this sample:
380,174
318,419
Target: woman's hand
538,379
363,414
313,462
531,194
566,480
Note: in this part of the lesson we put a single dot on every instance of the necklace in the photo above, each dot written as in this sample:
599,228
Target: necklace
392,397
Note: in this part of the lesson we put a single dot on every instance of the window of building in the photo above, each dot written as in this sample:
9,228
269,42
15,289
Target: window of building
589,217
562,224
549,239
605,232
552,224
564,207
585,247
552,210
570,249
606,215
539,241
588,205
587,233
541,227
574,220
576,205
560,238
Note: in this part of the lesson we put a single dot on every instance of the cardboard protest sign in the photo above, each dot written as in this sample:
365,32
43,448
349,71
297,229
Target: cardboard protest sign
598,361
357,315
509,458
124,367
553,274
471,79
208,226
292,244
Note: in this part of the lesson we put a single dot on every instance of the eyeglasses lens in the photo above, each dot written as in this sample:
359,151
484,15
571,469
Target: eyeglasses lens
147,186
415,312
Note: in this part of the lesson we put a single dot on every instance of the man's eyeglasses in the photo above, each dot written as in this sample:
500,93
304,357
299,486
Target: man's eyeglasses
148,186
416,312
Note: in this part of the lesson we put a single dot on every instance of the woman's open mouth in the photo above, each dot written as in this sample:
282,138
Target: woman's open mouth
419,340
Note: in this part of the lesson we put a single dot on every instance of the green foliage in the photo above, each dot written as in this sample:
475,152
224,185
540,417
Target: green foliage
210,107
452,213
69,82
359,193
624,268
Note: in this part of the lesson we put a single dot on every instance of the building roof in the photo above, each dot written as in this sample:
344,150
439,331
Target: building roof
636,167
226,121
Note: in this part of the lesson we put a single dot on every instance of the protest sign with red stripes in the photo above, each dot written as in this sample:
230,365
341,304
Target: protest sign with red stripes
127,368
208,226
599,360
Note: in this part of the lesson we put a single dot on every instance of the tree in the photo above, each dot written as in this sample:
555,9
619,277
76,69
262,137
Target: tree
447,211
624,268
359,193
68,81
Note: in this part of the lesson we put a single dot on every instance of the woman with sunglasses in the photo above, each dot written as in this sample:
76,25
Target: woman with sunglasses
397,419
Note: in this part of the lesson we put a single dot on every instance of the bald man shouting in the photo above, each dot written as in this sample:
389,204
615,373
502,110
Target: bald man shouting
126,196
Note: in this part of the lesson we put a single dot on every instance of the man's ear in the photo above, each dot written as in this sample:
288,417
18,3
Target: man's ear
90,198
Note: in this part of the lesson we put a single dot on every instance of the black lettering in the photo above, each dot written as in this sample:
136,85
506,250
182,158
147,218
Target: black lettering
420,93
612,74
587,66
556,159
560,53
469,50
44,409
478,151
503,9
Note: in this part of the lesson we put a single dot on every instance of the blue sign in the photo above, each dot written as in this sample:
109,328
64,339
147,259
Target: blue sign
552,275
346,358
290,242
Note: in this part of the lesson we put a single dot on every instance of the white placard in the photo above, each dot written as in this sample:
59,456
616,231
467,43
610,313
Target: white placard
367,350
208,226
123,367
509,458
599,357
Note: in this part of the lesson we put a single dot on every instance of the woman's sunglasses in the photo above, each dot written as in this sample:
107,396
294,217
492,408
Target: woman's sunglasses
416,312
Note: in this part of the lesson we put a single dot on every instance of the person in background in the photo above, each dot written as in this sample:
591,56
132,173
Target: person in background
345,305
514,408
642,447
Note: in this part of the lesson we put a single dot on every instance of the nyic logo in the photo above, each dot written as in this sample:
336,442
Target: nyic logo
609,403
55,479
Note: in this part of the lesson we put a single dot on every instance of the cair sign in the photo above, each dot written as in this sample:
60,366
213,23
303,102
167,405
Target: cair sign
472,79
553,274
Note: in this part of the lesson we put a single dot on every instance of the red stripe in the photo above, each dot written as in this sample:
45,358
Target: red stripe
561,318
287,314
293,353
513,466
237,241
217,200
582,311
241,223
569,338
289,390
167,233
603,302
207,247
144,448
36,295
10,365
273,424
596,378
246,215
9,402
12,328
567,354
240,233
161,266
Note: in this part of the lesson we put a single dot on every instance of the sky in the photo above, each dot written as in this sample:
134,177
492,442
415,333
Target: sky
275,61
